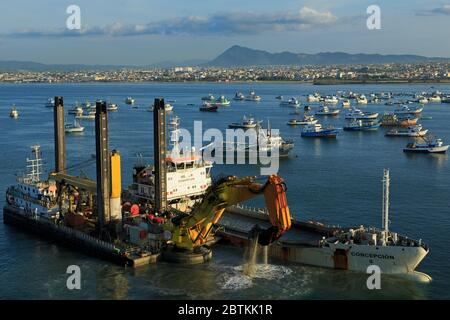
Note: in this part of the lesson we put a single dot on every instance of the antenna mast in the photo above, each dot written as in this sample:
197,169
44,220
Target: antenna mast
385,209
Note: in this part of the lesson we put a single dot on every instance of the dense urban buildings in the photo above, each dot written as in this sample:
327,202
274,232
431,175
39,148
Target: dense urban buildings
432,71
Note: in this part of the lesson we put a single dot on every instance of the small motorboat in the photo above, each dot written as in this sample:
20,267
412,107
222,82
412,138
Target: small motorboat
130,100
280,97
112,107
326,111
307,108
76,109
346,104
307,120
253,97
313,97
292,102
411,131
50,103
317,131
167,107
361,99
208,107
330,100
222,102
239,96
247,123
430,145
404,109
209,98
74,127
14,113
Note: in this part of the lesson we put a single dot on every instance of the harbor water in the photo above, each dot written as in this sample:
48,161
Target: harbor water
337,181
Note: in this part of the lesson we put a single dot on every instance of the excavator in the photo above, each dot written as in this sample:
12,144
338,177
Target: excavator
189,232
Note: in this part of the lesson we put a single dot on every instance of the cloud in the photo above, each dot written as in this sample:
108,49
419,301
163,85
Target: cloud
231,23
443,10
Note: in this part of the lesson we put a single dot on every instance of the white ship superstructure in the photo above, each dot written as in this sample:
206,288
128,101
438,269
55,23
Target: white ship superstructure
188,174
32,195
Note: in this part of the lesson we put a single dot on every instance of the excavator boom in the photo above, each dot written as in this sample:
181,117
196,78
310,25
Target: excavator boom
192,230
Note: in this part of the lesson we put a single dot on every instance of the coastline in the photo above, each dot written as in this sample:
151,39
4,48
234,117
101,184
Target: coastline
316,82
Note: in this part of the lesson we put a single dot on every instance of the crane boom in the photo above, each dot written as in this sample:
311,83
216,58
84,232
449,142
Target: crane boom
192,230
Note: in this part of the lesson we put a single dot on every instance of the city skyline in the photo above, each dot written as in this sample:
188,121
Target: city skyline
138,32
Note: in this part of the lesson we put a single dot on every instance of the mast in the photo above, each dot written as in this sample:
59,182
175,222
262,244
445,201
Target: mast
35,165
385,209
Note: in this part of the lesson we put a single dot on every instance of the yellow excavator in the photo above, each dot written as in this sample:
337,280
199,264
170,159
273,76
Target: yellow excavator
191,231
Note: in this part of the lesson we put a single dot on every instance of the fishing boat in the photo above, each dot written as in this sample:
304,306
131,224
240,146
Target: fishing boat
50,103
307,120
88,105
86,116
208,107
430,145
346,103
317,131
253,97
313,97
239,96
391,119
112,107
325,111
411,131
435,98
167,107
360,125
358,114
209,98
404,109
76,109
247,123
14,113
422,100
361,99
130,100
330,100
292,102
74,127
222,102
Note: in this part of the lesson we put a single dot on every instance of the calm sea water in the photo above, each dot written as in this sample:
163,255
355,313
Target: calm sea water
338,182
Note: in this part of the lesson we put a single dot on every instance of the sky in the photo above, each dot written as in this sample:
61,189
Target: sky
143,32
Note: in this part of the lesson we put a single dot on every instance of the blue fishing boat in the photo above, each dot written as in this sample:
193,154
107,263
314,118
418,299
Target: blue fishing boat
360,125
317,131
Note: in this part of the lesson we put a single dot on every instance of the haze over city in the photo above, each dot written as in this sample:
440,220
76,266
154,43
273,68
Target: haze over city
142,32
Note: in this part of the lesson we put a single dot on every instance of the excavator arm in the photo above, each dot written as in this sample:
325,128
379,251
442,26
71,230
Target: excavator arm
192,230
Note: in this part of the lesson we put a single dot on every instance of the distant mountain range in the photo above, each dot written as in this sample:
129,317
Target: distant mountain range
237,56
242,56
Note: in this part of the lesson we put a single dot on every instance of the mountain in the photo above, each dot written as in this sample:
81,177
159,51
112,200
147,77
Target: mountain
242,56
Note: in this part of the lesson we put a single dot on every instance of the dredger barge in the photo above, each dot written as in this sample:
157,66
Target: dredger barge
173,210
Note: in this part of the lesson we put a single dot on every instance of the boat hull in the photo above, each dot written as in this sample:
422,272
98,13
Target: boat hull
442,149
322,134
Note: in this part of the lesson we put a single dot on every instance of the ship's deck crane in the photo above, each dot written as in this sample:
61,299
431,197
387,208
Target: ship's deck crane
191,231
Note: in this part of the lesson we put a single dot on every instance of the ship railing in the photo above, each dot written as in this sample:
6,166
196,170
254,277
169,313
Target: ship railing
252,209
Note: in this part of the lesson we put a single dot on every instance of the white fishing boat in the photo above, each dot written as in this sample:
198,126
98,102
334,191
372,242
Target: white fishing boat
76,109
112,107
130,100
247,123
358,114
331,100
292,102
86,116
361,99
14,113
74,127
404,109
422,100
50,103
411,131
313,97
209,98
307,120
239,96
222,102
429,145
435,99
326,111
253,97
346,104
